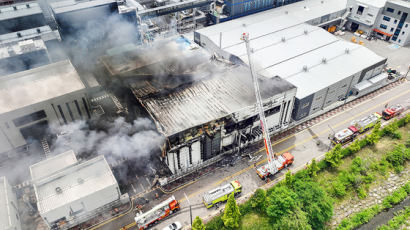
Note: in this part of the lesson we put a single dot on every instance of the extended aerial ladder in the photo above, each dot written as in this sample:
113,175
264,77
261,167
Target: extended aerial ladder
259,104
275,164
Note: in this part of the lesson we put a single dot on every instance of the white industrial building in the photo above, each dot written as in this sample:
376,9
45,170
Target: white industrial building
69,192
31,100
324,68
364,15
394,23
9,215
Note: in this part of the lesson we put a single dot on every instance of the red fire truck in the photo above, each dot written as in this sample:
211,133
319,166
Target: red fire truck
393,111
157,213
280,162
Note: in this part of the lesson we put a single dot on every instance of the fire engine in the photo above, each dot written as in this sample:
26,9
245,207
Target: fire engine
280,162
157,213
221,194
393,111
346,135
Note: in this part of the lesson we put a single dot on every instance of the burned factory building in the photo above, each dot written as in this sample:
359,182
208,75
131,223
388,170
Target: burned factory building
203,105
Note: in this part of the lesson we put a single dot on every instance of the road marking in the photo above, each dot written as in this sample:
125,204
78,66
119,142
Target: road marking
112,219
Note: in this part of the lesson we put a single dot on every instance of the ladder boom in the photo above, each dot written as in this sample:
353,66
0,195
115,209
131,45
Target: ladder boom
259,104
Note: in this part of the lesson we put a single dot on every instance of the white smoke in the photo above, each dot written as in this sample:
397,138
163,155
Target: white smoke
121,140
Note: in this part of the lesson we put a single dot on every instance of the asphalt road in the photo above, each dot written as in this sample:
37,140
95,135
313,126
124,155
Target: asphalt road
302,145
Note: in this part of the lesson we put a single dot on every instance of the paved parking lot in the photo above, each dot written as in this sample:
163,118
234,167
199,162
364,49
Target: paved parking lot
397,57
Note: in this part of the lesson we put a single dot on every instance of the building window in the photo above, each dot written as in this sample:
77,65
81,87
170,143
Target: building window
386,18
78,108
86,108
395,21
406,25
391,30
402,33
350,9
399,12
391,10
383,26
29,118
62,114
360,10
190,155
305,105
69,111
178,160
399,40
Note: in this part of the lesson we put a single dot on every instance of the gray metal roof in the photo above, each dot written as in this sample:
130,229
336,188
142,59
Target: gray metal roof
36,85
43,32
21,47
19,10
52,165
74,182
72,5
283,45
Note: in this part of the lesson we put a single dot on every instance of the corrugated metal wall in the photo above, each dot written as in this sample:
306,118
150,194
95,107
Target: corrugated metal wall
244,7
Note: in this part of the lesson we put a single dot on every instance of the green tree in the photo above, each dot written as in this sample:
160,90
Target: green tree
232,216
198,224
296,219
289,179
355,146
315,203
258,200
281,202
334,156
313,168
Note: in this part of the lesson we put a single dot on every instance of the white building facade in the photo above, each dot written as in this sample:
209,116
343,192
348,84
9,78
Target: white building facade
364,14
32,100
9,215
393,24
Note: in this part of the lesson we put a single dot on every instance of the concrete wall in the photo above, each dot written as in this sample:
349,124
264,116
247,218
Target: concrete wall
11,135
88,203
12,211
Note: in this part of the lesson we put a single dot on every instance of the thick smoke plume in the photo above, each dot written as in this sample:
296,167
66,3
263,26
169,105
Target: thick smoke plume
120,140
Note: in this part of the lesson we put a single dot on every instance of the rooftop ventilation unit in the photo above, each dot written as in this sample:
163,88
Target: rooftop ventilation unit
324,61
38,30
59,190
305,68
305,32
28,5
347,51
14,7
283,39
286,12
80,180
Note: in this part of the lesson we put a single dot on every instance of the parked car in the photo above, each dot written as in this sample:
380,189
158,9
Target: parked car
174,226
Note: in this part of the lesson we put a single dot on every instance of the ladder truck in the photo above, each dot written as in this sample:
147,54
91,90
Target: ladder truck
157,213
275,164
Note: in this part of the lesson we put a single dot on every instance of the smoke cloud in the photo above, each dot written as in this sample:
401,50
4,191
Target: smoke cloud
121,140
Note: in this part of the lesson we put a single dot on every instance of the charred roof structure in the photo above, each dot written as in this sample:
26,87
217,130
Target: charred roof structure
202,104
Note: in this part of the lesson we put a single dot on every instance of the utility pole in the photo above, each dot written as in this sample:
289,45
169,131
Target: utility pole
190,207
